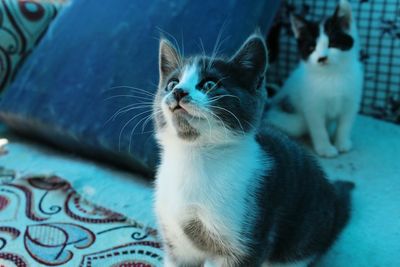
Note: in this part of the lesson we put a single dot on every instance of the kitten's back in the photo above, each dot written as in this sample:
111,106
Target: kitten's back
302,212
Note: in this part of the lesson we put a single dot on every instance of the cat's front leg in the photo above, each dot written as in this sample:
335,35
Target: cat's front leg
305,263
232,262
170,260
319,134
177,253
343,132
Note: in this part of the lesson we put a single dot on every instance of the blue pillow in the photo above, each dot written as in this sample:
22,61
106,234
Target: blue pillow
97,59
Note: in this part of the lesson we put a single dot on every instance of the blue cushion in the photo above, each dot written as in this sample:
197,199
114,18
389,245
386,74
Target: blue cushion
73,83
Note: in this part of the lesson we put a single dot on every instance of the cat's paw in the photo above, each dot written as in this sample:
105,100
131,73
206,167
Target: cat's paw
327,151
344,146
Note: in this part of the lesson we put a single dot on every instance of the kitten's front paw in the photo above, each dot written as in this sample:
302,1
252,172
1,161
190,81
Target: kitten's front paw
327,151
344,145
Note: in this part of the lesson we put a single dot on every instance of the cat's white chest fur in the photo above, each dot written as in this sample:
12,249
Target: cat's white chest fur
211,184
328,92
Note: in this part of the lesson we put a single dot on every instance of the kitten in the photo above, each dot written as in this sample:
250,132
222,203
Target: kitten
226,195
325,89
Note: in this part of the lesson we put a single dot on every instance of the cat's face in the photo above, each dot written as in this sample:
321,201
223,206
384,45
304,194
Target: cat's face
327,43
204,100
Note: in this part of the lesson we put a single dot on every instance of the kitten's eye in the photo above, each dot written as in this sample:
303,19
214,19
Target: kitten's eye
311,48
209,85
171,84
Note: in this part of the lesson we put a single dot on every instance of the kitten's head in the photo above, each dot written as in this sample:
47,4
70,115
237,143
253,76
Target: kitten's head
208,100
329,42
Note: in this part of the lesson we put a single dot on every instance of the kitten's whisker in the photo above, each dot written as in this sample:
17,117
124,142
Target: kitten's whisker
134,89
154,84
218,50
208,121
127,96
142,94
213,54
233,115
216,45
223,124
203,51
126,109
183,45
193,116
250,124
216,98
133,131
149,118
152,131
126,124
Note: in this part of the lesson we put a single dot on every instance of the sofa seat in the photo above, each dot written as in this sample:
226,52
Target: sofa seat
370,239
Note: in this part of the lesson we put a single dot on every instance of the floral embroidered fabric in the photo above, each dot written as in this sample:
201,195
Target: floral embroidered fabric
45,222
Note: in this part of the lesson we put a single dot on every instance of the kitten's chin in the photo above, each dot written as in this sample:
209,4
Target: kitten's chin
182,115
179,111
320,66
181,120
187,112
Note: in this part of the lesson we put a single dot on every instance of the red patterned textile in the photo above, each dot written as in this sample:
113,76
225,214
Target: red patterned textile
44,222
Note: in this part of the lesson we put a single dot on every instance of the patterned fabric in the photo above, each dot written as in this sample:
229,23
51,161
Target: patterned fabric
22,24
44,222
379,28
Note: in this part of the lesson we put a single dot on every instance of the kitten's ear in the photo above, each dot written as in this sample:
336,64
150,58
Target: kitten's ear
343,14
252,57
298,23
169,58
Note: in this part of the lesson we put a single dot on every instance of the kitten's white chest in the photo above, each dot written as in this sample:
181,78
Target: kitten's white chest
333,91
211,185
330,93
172,205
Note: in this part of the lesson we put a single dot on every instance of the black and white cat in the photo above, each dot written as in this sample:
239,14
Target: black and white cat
226,195
326,86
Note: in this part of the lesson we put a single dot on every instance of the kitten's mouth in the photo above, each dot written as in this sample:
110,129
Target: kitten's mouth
178,109
183,111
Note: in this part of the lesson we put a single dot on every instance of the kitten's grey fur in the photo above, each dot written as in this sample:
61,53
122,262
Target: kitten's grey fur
227,195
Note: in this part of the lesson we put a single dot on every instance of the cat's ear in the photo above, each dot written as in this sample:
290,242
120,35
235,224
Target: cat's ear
169,58
343,14
252,57
298,23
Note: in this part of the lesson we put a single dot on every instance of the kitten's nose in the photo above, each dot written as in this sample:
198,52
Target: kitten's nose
323,59
179,94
